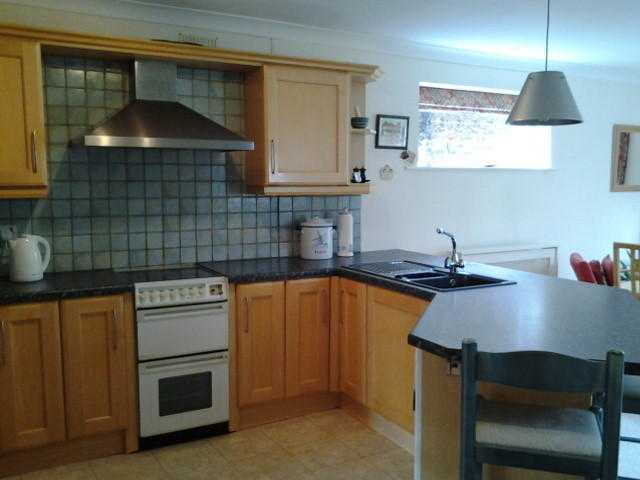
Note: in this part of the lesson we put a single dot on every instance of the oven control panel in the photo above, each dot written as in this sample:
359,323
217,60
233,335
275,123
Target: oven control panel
180,292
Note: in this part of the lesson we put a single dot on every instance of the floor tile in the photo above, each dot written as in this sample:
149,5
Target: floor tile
297,431
194,461
367,442
247,443
137,466
329,445
73,471
318,455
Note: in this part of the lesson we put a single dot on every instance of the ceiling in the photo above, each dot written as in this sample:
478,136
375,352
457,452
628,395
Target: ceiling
591,32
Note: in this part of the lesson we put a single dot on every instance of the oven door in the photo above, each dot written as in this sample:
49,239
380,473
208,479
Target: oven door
182,393
173,331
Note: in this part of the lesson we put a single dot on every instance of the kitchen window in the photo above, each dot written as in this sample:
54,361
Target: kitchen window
461,127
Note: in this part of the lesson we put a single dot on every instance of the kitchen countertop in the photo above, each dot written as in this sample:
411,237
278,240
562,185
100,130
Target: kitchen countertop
536,313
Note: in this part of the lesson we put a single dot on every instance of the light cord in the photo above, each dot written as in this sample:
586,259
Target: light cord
546,48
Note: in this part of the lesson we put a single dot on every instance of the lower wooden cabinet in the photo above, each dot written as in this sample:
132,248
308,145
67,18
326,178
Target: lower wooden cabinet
32,411
308,316
390,359
353,338
67,382
260,334
95,364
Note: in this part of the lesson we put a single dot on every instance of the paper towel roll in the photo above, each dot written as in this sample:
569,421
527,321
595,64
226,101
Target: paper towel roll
345,234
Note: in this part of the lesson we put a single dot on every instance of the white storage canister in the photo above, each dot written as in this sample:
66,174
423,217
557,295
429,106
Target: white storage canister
345,234
316,239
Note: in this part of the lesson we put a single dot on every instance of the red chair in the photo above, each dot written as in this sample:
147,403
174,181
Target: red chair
607,267
598,272
581,269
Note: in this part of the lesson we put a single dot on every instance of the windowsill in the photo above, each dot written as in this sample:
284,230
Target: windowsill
483,169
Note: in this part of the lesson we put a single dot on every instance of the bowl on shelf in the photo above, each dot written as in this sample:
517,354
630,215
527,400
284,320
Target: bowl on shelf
359,122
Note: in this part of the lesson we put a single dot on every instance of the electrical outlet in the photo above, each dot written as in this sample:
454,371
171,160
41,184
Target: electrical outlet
8,232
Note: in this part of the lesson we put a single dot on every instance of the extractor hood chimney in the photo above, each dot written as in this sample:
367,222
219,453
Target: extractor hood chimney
155,119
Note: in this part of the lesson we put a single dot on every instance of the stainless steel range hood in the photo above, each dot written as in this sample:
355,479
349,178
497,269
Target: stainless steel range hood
154,119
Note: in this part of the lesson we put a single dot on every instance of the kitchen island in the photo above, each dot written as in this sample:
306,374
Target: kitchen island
535,313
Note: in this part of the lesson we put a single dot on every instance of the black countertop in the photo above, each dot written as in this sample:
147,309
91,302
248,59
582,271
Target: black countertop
537,313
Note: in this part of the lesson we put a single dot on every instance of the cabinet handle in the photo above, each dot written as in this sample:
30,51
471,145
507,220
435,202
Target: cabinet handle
342,308
246,317
273,157
114,333
34,151
2,348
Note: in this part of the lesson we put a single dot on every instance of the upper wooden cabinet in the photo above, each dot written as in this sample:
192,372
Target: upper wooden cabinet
308,317
299,120
95,363
390,359
23,165
260,335
31,394
353,338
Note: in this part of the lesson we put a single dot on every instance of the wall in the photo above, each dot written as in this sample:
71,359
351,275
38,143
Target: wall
569,206
120,208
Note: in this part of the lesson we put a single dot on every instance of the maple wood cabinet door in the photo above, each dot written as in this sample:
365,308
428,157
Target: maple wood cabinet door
31,389
260,323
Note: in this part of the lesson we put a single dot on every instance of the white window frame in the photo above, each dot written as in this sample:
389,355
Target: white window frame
418,167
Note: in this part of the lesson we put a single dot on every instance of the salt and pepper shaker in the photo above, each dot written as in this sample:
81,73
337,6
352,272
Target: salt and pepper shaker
359,175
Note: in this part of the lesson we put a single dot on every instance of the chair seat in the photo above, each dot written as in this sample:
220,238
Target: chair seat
632,387
631,394
557,432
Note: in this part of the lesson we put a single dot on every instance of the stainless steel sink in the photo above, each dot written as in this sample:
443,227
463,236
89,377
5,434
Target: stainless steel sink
456,281
429,276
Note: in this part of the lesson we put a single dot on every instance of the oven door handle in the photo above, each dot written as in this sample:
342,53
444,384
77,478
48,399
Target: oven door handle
181,364
155,316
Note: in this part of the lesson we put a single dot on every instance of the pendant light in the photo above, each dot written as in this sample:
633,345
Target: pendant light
545,98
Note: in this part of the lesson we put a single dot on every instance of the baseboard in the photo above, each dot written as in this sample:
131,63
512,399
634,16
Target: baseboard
284,409
377,422
28,460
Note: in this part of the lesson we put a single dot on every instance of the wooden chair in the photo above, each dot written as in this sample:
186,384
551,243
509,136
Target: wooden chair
631,271
561,440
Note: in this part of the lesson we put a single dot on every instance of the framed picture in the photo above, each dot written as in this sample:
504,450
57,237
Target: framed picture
392,131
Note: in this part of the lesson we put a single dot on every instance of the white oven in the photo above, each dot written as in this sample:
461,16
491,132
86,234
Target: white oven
182,393
183,360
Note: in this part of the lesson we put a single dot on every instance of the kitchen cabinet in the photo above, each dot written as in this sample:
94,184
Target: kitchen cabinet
23,166
31,392
95,364
390,359
353,338
298,118
308,315
260,333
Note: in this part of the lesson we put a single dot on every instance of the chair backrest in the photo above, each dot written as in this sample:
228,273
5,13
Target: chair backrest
550,372
581,268
598,273
607,267
574,259
627,275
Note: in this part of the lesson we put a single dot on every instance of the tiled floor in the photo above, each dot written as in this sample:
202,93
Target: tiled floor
323,446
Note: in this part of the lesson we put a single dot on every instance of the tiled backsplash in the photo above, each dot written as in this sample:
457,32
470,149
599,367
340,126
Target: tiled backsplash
148,207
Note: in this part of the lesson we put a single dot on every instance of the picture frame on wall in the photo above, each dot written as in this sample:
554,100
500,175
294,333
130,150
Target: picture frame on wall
392,131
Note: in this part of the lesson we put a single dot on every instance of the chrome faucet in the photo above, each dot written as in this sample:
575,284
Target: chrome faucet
454,262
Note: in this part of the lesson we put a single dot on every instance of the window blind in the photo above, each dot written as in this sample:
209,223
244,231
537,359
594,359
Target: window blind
469,100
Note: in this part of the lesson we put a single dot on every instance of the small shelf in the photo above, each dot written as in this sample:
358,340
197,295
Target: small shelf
297,190
363,131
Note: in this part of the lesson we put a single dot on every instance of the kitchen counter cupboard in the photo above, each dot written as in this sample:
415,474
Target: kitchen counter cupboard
311,344
297,110
67,377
